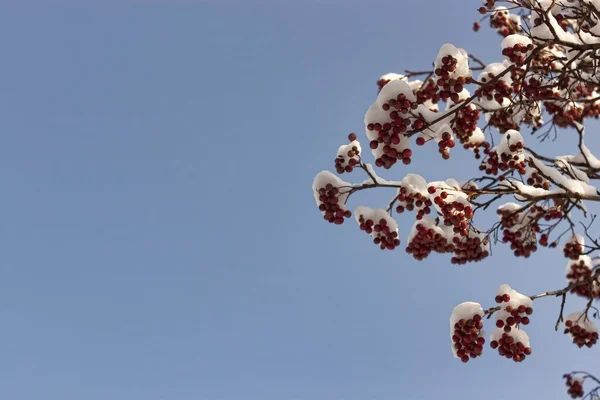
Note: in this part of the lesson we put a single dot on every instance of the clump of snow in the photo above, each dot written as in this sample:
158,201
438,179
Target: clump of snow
391,76
585,157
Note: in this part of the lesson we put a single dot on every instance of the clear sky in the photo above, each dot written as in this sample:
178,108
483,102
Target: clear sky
158,235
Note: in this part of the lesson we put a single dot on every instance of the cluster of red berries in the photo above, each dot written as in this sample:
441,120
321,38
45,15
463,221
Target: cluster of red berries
445,144
410,200
428,92
346,162
503,23
502,119
550,213
505,161
522,237
517,53
538,181
381,232
517,315
334,212
427,240
516,76
533,89
467,338
476,146
465,123
498,90
580,271
389,139
510,348
523,242
455,212
575,386
591,109
469,249
509,216
564,116
581,336
449,86
573,249
543,239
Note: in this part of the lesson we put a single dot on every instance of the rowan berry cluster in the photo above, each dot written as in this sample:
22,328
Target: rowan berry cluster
511,346
426,237
467,338
535,179
504,22
516,48
380,225
507,156
498,91
446,143
466,123
348,156
411,196
329,197
581,330
510,340
573,248
575,386
455,209
581,271
520,228
564,115
472,247
466,331
427,93
502,120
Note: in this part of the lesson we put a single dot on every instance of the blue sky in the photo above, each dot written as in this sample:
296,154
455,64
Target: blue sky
159,239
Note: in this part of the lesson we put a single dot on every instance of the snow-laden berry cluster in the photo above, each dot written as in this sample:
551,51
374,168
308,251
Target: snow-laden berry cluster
509,338
581,272
581,329
573,248
466,331
451,68
574,385
452,204
380,225
520,227
412,196
348,156
386,121
474,246
503,21
330,197
508,155
425,237
516,48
